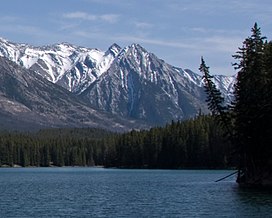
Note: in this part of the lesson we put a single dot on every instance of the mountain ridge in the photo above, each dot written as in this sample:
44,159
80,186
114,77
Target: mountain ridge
28,101
128,82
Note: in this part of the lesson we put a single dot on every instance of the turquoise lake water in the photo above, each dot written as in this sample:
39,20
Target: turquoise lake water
98,192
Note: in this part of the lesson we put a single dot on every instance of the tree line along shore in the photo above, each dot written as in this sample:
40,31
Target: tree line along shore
195,143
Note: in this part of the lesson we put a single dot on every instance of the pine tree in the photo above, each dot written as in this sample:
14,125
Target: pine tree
251,108
215,100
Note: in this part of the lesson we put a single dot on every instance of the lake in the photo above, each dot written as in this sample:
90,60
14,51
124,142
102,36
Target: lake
98,192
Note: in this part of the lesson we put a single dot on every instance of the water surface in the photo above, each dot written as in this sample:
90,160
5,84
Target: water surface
98,192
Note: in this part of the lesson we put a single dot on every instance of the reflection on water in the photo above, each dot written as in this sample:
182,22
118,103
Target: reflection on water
93,192
254,202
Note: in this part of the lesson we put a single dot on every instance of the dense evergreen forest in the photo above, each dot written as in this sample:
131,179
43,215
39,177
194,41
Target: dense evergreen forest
247,122
195,143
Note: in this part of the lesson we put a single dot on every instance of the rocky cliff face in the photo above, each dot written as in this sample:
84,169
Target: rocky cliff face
141,86
28,101
70,66
130,82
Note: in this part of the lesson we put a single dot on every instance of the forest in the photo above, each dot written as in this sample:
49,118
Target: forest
195,143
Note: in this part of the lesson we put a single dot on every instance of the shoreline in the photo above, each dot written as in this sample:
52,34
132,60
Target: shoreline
120,168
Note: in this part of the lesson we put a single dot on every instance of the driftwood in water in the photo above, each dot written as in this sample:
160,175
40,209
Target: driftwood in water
227,176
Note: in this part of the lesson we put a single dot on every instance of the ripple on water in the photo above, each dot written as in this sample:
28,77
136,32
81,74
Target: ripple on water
88,192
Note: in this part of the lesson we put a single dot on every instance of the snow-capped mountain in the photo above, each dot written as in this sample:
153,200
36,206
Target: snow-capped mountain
129,82
28,101
141,86
67,65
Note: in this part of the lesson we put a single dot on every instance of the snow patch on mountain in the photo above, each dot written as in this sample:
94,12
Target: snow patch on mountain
129,81
70,66
76,68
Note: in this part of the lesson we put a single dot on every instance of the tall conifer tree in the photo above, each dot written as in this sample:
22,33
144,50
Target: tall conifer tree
215,99
252,108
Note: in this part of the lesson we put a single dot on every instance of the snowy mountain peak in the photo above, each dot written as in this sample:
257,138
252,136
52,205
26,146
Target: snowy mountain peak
114,50
129,81
136,48
70,66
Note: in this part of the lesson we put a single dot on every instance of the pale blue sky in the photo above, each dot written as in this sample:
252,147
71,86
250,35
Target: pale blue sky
178,31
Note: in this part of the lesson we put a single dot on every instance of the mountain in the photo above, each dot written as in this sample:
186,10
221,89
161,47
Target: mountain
130,82
28,101
69,66
139,85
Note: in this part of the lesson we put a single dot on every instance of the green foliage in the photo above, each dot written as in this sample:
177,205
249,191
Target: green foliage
248,122
215,100
252,106
58,147
196,143
214,97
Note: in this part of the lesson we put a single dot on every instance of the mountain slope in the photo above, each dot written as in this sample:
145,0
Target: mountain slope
129,82
27,101
139,85
67,65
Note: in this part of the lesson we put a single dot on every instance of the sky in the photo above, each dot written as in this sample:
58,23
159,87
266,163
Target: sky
177,31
